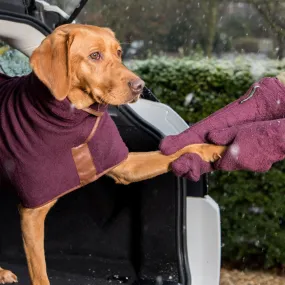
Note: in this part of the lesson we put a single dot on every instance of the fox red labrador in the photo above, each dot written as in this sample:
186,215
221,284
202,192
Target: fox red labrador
57,136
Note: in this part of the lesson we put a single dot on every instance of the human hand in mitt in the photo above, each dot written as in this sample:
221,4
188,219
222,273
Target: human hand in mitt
265,100
254,146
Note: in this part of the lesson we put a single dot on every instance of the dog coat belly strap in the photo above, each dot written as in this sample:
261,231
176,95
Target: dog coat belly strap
83,160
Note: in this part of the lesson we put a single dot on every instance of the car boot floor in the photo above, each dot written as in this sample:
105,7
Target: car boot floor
83,273
101,231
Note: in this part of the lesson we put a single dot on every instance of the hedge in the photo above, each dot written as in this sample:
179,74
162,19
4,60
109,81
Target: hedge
252,204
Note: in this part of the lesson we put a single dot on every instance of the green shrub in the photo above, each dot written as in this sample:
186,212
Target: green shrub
252,204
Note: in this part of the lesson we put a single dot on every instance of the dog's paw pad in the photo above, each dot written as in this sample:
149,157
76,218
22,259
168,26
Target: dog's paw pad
7,277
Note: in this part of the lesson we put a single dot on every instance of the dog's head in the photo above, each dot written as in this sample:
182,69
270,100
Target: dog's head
84,63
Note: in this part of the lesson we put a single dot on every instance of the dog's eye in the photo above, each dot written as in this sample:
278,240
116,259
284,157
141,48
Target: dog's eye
95,55
119,52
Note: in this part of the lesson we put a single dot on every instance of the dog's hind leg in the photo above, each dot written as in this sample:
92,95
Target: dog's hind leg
32,225
7,277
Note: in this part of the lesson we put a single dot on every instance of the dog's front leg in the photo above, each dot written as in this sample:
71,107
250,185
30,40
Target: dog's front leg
145,165
32,225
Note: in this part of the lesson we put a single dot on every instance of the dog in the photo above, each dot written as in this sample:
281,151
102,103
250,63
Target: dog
57,136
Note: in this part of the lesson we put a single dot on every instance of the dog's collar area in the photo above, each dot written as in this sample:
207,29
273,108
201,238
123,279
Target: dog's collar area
101,107
93,112
64,110
96,109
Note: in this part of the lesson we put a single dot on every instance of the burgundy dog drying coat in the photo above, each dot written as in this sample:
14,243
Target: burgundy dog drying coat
49,148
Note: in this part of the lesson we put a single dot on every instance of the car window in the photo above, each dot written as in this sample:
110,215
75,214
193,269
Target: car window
12,61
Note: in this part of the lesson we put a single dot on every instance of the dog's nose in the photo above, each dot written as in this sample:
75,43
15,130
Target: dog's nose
136,85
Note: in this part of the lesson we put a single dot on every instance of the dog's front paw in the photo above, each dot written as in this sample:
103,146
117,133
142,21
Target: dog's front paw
7,277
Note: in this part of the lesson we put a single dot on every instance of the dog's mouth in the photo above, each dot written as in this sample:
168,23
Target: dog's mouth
135,99
112,100
108,101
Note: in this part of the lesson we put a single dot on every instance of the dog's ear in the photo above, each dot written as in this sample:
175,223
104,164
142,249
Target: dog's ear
51,62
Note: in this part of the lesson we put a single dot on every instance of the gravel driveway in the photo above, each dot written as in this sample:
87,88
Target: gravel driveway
235,277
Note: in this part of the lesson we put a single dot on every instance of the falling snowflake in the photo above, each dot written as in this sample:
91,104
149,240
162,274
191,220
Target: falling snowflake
159,280
188,99
235,150
72,107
